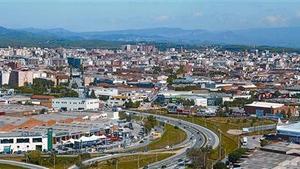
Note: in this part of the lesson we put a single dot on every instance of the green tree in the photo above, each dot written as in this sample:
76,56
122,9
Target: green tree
74,86
264,142
131,104
34,157
156,70
103,97
93,95
220,165
149,123
199,157
40,86
181,70
171,78
236,155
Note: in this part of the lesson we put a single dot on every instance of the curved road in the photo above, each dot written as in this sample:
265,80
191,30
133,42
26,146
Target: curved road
199,137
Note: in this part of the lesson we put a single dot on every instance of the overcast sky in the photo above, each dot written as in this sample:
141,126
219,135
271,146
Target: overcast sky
99,15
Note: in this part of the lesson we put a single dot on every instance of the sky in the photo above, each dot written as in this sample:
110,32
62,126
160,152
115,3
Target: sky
103,15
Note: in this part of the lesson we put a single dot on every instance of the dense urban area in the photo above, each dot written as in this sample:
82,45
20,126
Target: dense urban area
139,106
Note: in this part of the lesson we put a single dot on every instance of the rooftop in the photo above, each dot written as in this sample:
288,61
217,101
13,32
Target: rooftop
265,105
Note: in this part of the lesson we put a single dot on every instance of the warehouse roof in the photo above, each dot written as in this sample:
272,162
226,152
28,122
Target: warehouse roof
265,105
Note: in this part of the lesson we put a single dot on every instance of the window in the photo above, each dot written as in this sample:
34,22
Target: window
7,141
23,140
37,140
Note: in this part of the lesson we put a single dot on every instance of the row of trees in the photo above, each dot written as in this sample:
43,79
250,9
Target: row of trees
199,157
44,86
131,104
186,102
236,155
149,123
36,157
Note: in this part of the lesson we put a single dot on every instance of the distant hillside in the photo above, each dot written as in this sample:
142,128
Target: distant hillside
279,37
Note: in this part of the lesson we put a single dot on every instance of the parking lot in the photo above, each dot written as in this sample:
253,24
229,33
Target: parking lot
263,160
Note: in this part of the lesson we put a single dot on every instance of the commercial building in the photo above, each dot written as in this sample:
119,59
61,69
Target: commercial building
73,103
289,132
22,142
263,109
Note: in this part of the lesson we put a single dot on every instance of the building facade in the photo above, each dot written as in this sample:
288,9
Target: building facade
20,142
71,103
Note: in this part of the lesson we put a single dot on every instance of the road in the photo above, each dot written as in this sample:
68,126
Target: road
201,137
21,164
198,136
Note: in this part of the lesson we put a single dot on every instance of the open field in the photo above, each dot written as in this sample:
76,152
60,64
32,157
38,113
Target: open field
6,166
170,137
131,162
60,162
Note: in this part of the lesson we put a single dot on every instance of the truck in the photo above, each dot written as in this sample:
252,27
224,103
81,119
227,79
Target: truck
244,141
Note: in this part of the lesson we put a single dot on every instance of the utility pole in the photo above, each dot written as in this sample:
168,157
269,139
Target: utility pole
54,159
138,160
220,147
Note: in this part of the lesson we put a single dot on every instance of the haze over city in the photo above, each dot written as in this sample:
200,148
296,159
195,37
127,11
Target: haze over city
103,15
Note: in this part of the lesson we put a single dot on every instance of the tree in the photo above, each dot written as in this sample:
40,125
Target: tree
103,97
71,93
156,70
74,86
34,157
149,123
40,86
264,142
181,70
220,112
220,165
199,157
131,104
289,113
236,155
93,95
43,111
25,89
171,78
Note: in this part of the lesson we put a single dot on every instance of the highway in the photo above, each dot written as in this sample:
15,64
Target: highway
198,136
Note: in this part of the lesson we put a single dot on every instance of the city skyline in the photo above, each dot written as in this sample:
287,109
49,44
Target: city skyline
104,15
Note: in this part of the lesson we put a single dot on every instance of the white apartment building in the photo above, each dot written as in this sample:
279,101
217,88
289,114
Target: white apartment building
74,103
14,142
100,91
4,77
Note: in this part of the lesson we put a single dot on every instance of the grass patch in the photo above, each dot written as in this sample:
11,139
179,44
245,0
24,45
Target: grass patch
170,137
131,162
60,162
7,166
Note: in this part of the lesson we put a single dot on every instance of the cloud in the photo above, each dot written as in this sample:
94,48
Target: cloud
162,18
198,14
275,20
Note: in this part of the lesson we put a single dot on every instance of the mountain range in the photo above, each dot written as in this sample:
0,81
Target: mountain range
278,37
